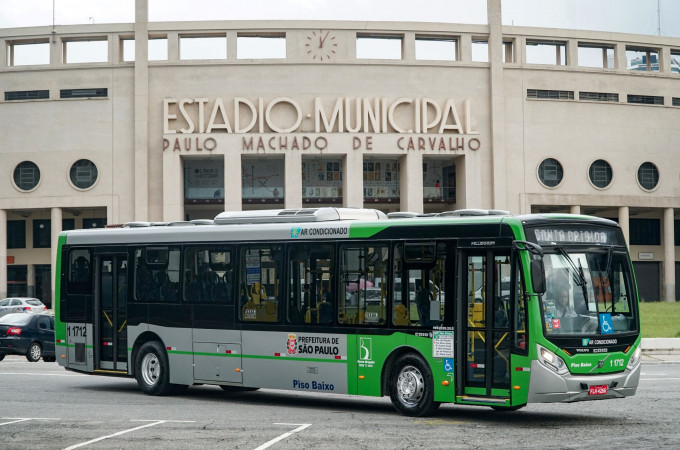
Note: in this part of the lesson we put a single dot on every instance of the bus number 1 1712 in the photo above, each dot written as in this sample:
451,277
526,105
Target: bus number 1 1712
77,331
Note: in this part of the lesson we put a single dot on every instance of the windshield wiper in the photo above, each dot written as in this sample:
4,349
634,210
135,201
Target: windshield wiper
608,269
577,273
584,289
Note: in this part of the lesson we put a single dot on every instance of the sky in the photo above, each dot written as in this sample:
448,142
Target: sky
625,16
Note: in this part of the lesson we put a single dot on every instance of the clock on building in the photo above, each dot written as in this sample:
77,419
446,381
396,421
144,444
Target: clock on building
321,45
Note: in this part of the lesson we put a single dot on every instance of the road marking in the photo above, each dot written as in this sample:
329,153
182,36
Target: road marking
301,427
658,379
45,374
82,444
23,419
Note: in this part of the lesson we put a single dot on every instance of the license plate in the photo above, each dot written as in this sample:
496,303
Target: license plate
597,390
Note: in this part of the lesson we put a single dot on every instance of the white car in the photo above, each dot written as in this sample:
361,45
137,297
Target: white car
21,305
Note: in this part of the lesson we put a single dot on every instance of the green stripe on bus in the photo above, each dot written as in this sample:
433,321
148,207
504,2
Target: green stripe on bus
232,355
364,231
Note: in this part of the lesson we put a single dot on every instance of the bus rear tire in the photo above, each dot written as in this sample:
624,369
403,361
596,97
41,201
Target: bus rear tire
411,386
152,370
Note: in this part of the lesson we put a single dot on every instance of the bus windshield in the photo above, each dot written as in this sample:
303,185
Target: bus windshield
588,293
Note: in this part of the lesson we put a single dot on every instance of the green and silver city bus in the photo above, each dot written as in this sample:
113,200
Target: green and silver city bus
471,307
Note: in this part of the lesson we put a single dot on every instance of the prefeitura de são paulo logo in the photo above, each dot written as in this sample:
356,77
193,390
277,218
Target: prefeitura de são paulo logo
292,344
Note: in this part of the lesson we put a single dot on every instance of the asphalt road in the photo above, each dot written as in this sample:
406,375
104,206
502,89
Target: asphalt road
43,406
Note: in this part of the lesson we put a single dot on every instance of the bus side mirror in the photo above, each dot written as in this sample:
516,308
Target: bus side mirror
538,276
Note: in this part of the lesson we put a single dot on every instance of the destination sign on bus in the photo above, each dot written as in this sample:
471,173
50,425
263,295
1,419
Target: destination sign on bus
574,235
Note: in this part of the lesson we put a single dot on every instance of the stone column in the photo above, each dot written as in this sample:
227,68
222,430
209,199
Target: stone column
3,253
572,53
353,180
575,209
56,229
620,62
293,181
497,119
411,182
141,111
233,192
669,254
624,221
30,280
409,47
173,192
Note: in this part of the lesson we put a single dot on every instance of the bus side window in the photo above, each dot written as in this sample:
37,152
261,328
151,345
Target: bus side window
208,275
519,337
76,299
418,290
259,290
80,274
156,274
363,296
310,287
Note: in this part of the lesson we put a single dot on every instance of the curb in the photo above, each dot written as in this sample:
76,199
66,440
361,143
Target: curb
660,346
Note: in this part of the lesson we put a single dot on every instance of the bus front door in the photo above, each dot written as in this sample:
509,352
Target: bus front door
482,326
111,316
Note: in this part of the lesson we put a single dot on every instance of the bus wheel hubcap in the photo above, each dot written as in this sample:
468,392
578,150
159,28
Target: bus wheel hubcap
410,386
151,369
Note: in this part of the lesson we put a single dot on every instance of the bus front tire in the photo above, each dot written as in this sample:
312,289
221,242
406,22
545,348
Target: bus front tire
411,386
152,370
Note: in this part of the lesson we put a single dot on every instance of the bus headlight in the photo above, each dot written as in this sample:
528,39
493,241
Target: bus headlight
635,359
552,361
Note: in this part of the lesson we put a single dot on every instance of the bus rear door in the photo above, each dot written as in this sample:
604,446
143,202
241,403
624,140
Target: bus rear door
111,287
482,325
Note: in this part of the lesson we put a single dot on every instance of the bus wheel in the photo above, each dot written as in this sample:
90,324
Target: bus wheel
152,370
411,386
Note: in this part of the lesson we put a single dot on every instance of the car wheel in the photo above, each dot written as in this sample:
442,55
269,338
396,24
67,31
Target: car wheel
49,358
152,370
2,356
411,386
34,352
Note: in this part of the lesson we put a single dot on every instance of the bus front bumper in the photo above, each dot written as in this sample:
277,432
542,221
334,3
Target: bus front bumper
547,387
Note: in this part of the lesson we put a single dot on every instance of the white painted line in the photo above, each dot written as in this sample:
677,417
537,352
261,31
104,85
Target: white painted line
56,374
82,444
658,379
284,435
14,421
162,420
23,419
